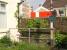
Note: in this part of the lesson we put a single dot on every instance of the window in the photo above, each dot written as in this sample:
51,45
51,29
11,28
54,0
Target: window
3,5
3,17
61,12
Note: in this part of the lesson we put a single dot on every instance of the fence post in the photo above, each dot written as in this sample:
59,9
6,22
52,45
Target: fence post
52,33
29,35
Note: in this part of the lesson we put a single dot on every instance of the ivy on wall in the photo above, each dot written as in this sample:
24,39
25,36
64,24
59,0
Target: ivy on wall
37,23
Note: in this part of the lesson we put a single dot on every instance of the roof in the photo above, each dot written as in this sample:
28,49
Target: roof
3,2
56,3
41,8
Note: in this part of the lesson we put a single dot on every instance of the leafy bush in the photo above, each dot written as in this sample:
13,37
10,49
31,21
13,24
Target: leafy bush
5,41
61,40
44,23
37,23
58,39
30,24
64,42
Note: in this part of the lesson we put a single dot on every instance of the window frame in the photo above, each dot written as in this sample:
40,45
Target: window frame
62,12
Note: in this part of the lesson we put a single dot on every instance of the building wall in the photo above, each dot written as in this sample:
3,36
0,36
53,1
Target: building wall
24,10
64,9
11,8
3,17
11,20
3,21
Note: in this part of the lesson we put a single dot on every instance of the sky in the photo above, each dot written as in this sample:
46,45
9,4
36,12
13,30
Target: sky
35,3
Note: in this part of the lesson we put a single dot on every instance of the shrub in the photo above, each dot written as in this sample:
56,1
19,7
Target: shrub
61,40
30,24
26,46
5,41
64,42
58,39
32,46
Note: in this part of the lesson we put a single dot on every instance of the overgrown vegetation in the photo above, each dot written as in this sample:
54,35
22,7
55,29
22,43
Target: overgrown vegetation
6,44
5,41
61,40
35,23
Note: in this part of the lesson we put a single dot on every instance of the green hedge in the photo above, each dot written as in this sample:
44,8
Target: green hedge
61,40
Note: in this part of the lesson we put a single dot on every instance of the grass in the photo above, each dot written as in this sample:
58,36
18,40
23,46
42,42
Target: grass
24,46
6,44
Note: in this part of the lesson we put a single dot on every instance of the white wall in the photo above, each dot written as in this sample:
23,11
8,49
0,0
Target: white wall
61,8
10,9
66,11
11,19
3,21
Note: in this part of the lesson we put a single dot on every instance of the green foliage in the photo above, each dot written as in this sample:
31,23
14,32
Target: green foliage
5,41
26,46
61,40
30,23
64,42
44,23
37,23
58,39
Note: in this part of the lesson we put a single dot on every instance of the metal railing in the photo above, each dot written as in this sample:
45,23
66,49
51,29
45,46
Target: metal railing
35,31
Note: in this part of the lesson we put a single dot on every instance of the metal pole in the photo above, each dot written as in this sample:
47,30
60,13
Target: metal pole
52,32
29,36
51,26
51,1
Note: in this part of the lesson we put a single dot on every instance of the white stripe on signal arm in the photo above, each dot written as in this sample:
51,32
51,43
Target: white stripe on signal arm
37,14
